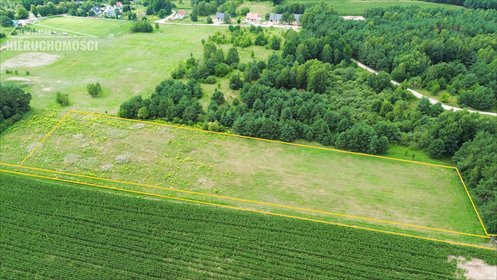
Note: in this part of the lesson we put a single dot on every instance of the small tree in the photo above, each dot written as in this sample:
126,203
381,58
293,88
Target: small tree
209,20
62,98
275,43
218,97
94,90
194,16
156,26
235,82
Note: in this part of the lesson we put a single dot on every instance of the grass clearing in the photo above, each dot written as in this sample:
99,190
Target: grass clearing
125,65
84,26
357,7
229,166
117,236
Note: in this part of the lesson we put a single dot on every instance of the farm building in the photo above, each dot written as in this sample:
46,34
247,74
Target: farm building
220,16
180,14
275,18
297,17
252,17
95,10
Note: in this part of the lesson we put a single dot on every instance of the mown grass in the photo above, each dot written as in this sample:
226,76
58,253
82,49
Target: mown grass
248,169
125,65
357,7
83,233
84,26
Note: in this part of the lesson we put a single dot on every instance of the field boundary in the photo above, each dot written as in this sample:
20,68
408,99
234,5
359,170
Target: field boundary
348,216
66,114
246,209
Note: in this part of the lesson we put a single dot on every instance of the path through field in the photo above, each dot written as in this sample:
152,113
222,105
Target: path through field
419,95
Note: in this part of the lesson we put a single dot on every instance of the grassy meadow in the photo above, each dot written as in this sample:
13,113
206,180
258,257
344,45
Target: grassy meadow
125,64
357,7
247,169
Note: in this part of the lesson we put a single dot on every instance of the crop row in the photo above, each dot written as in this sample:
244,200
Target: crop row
53,230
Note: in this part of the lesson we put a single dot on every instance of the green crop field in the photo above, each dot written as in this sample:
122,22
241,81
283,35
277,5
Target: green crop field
50,230
357,7
247,169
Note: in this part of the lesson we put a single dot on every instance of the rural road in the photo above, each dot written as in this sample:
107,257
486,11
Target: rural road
419,95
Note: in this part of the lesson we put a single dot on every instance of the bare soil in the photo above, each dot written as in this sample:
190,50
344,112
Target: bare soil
30,60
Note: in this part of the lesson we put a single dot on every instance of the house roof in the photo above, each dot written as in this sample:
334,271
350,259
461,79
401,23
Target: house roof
220,15
181,12
253,16
275,16
119,4
297,17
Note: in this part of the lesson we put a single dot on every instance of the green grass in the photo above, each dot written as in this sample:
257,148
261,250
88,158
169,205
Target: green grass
357,7
260,8
248,169
125,65
84,26
58,231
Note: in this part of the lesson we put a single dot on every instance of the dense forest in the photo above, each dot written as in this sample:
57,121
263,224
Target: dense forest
474,4
445,52
14,102
312,91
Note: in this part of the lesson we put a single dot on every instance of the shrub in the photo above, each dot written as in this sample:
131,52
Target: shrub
236,82
210,80
94,90
62,98
142,26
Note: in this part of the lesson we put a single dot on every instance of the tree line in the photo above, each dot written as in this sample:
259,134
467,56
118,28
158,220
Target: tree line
474,4
312,91
14,102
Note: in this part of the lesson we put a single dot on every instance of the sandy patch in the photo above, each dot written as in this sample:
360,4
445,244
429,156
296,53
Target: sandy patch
20,79
475,269
30,60
46,89
106,167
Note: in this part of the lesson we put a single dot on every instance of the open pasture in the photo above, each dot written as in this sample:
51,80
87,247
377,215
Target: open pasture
125,64
357,7
272,173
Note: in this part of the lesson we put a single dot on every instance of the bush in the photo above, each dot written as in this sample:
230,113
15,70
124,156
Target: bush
210,80
222,70
94,90
236,82
142,26
62,98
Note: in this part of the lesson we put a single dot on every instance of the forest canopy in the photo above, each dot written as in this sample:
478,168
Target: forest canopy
311,90
14,102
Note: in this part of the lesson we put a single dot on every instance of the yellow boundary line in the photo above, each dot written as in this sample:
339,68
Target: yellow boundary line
472,203
59,123
247,210
260,139
246,200
253,201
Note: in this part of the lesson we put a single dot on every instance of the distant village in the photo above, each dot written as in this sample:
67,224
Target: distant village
109,11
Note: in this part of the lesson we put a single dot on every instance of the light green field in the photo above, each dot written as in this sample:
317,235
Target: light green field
357,7
85,26
125,65
255,170
260,8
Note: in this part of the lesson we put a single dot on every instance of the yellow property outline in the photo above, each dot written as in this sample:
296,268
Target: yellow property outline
247,209
65,115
